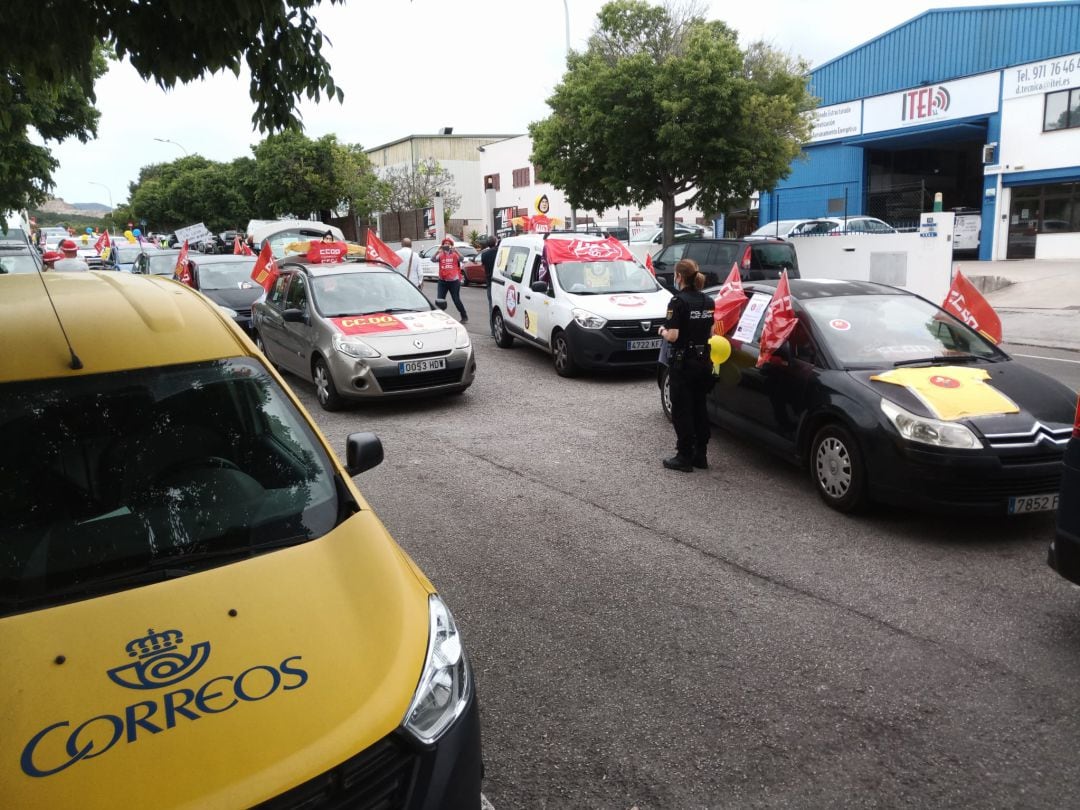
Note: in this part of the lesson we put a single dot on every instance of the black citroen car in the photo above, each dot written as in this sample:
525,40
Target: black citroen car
884,396
1065,548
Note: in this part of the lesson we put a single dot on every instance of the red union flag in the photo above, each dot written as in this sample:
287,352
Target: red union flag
265,271
377,249
967,304
586,250
182,272
102,242
649,264
729,302
237,246
780,321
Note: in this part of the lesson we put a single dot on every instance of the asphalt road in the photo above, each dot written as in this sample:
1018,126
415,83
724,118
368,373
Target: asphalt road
651,639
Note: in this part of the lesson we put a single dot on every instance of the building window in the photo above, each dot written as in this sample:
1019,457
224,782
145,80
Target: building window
521,177
536,174
1062,110
491,181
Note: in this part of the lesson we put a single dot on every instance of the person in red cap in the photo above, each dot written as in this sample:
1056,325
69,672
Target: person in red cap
71,263
50,257
449,278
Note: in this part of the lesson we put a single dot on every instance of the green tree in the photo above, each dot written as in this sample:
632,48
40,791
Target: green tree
413,187
294,175
52,56
663,103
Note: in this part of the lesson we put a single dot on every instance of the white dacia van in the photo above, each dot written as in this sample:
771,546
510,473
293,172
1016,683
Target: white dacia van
582,298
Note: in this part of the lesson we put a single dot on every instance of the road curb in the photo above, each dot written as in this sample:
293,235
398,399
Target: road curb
1065,346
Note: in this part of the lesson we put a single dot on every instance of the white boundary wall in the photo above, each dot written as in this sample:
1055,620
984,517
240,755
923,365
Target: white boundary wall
918,262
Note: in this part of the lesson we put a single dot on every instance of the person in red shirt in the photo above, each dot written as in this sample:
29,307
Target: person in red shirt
449,278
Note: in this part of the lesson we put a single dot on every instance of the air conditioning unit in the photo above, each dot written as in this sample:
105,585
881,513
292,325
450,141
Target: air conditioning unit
989,154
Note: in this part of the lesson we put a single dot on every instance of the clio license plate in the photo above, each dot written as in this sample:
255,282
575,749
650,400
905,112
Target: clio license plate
1033,503
416,366
635,345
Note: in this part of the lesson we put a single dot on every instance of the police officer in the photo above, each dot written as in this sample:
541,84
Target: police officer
687,328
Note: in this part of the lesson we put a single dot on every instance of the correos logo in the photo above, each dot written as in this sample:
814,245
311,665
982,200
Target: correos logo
159,662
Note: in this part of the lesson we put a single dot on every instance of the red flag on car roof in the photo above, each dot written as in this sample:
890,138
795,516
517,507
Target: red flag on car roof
182,272
649,264
377,249
780,321
238,246
265,271
102,242
729,302
586,250
967,304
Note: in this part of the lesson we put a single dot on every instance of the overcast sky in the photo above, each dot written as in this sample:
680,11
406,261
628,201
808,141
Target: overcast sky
481,67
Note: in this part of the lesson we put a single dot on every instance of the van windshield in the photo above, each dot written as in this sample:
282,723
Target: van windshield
604,278
112,481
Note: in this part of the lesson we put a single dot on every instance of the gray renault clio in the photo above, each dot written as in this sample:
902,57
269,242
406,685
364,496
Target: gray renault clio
360,330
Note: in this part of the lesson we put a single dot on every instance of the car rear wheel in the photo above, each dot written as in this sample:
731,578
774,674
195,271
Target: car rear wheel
325,390
836,465
503,339
561,356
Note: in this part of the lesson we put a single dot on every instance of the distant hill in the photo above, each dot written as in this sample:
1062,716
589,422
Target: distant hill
58,206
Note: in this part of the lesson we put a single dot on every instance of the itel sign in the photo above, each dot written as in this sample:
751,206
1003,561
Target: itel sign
926,102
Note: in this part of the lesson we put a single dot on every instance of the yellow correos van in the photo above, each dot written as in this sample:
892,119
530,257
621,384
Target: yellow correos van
197,607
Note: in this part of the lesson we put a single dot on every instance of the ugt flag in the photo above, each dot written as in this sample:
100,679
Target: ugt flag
967,304
265,271
377,249
780,321
729,302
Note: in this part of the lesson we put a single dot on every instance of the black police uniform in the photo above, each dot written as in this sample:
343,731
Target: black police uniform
690,376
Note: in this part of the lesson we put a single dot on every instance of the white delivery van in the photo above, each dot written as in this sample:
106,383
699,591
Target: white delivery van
591,305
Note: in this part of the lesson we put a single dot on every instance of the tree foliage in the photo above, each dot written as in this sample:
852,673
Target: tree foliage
52,56
663,103
413,187
289,174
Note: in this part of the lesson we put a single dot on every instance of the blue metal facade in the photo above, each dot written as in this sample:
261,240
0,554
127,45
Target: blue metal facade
949,43
937,46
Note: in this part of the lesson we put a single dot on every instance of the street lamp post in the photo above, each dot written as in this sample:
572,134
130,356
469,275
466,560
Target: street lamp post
107,189
174,143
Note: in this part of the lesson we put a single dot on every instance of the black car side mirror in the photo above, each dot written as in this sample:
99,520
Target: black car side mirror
663,282
362,452
540,287
294,316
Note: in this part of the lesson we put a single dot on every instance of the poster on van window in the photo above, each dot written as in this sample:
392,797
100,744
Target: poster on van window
586,250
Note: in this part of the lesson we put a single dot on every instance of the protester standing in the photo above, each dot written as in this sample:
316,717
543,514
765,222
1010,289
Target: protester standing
450,278
71,263
487,259
687,328
410,264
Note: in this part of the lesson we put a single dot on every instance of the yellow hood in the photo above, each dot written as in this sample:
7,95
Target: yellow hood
218,689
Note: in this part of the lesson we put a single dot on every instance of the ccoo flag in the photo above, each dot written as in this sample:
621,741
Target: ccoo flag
967,304
181,272
780,321
729,303
265,271
377,249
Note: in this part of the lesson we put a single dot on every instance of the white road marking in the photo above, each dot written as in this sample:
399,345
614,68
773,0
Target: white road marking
486,805
1041,357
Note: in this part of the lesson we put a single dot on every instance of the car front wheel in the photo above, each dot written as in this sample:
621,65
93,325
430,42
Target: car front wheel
665,393
325,390
561,356
837,467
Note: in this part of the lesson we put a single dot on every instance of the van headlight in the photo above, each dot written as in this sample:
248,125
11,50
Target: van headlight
934,432
461,337
444,686
353,347
586,320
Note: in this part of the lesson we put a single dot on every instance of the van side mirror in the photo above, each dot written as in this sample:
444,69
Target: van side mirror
294,316
540,287
362,452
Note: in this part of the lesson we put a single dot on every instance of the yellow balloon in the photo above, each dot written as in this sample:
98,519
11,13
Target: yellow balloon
719,352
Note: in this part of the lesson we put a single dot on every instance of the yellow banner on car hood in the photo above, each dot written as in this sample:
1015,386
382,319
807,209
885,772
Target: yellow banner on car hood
951,392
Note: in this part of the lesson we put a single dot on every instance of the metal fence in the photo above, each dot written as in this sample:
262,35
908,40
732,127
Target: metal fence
898,205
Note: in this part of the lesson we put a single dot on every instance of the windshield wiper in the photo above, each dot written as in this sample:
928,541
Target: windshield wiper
389,311
941,359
